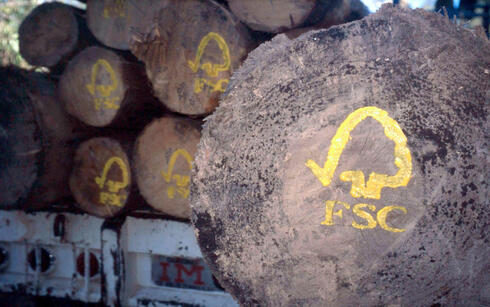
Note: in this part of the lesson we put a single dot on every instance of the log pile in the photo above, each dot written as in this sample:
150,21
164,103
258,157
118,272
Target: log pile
115,127
116,122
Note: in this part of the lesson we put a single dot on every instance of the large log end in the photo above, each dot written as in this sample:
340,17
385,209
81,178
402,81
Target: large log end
348,167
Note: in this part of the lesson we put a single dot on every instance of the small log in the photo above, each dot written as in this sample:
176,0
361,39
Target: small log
331,14
113,21
51,34
164,154
102,88
349,167
101,177
340,12
37,139
273,16
108,21
191,53
294,33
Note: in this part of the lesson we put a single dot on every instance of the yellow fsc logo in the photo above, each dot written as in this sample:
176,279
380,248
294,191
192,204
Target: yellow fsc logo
376,182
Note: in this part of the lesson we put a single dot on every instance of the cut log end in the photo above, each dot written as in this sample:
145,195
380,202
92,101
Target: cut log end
351,168
272,15
48,34
114,22
20,144
101,177
36,137
164,156
93,87
191,53
109,21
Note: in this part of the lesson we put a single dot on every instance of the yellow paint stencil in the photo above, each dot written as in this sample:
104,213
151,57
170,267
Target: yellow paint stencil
211,70
102,92
181,182
114,8
112,197
376,182
362,212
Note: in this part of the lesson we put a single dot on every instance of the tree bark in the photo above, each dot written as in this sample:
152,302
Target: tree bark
164,153
102,88
353,169
101,177
37,141
51,34
191,53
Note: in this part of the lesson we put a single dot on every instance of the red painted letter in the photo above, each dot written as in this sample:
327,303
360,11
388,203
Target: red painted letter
195,269
164,272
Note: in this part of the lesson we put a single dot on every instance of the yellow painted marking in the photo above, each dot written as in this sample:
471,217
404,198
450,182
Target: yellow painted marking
102,92
371,223
111,197
357,209
329,211
383,213
219,86
212,70
114,8
371,189
181,182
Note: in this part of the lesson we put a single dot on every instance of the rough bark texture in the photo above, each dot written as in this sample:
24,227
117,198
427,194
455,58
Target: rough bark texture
406,94
101,177
37,141
51,34
164,154
191,52
102,88
114,21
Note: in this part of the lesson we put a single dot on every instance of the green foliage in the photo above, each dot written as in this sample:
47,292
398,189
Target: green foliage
11,15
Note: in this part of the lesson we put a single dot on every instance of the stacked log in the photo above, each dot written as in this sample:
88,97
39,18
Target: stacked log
51,34
353,169
114,21
101,177
191,53
274,16
339,12
102,88
163,159
278,16
37,140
